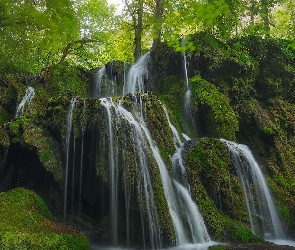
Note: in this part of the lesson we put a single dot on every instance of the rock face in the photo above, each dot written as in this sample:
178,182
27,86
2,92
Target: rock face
239,90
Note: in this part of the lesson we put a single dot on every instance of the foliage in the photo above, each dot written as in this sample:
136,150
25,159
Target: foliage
65,79
32,32
4,139
26,223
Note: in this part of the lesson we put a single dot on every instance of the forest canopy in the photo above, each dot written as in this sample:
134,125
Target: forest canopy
36,34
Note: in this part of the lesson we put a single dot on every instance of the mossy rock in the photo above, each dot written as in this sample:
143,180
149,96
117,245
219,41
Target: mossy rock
65,79
26,223
243,236
166,68
213,109
4,139
275,62
215,185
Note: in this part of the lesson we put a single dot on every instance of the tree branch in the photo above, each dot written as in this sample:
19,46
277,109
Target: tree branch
67,49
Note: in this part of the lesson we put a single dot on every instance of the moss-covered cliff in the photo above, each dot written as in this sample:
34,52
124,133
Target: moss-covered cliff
241,90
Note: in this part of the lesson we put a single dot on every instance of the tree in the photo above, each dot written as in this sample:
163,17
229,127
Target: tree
32,32
135,10
159,10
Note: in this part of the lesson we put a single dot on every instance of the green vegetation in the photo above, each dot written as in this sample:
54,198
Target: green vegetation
211,173
26,223
241,58
243,236
220,120
219,247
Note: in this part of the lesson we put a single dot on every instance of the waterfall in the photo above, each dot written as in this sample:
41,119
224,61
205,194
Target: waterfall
259,202
115,118
98,78
68,138
137,76
187,221
187,96
143,139
195,220
27,99
113,158
81,161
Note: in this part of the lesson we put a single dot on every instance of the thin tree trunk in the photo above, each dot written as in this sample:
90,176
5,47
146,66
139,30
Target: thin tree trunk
138,32
136,15
265,16
158,29
253,7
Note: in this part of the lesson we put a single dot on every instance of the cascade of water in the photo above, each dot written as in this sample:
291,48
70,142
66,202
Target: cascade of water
73,175
249,172
144,188
81,162
197,226
27,99
185,66
107,103
98,77
173,204
187,96
69,131
137,76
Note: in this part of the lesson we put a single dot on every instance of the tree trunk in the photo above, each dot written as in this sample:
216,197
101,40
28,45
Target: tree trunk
136,15
292,10
265,15
158,29
138,31
253,8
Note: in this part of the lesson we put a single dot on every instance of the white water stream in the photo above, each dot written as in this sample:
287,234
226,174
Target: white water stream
137,76
68,138
250,174
26,101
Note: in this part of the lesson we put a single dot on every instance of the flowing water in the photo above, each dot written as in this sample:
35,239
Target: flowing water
81,161
137,76
98,82
260,205
198,230
178,197
68,138
26,101
189,117
118,116
129,129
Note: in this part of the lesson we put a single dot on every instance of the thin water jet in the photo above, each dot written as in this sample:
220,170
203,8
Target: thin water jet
26,101
67,146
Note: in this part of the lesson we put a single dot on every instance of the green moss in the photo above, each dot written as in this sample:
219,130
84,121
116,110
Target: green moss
65,80
46,148
219,247
215,186
220,120
26,223
4,138
174,101
244,236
